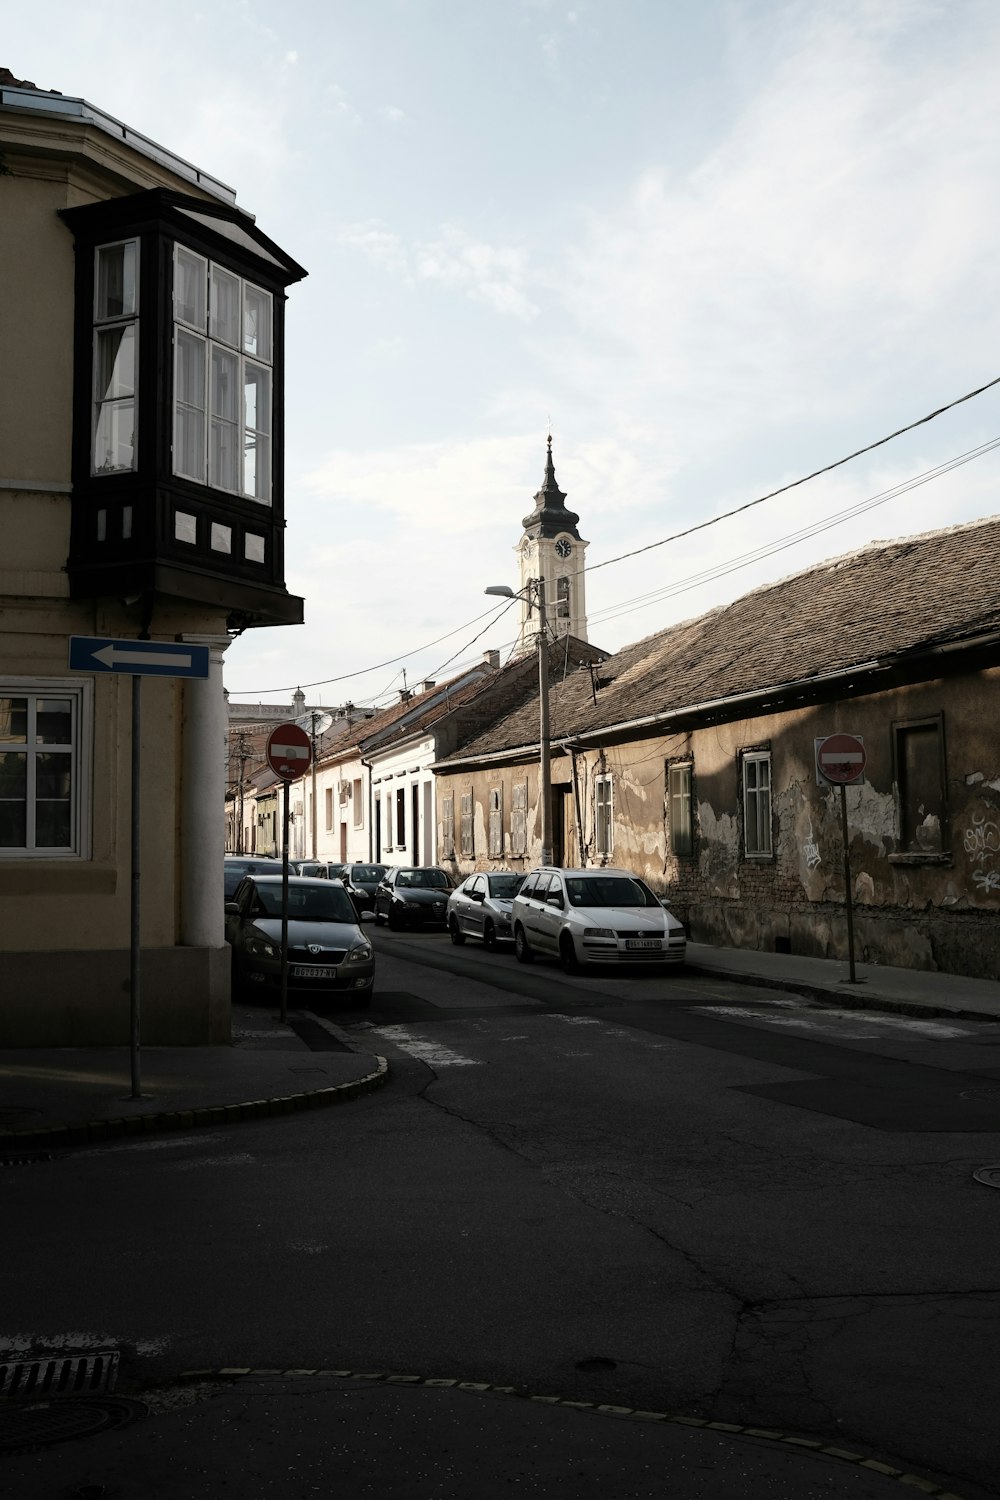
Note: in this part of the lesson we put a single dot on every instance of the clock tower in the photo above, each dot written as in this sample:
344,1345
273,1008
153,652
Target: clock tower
552,548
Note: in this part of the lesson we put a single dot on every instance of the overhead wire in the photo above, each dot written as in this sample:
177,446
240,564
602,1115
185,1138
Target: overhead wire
675,536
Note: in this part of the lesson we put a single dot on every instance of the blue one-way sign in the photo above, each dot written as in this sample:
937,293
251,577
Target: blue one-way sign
138,658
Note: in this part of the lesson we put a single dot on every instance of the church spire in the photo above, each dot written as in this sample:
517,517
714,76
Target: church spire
550,515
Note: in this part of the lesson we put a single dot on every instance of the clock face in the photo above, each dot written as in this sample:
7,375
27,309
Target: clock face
563,547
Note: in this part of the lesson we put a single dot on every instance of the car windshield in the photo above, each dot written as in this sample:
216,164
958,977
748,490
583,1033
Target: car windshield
367,874
422,879
309,903
608,890
505,887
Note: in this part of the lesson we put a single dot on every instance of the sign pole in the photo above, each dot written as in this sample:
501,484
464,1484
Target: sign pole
848,902
134,932
284,905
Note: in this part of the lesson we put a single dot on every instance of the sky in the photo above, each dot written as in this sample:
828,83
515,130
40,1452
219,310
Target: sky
713,248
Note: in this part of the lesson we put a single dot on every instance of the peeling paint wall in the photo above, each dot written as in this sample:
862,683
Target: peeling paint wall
937,910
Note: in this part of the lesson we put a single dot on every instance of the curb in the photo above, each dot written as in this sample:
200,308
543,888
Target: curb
847,999
913,1481
91,1132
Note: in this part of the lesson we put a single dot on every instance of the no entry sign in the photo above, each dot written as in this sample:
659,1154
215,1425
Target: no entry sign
840,758
288,752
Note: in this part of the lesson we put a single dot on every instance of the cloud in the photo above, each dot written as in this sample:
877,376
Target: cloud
392,115
495,275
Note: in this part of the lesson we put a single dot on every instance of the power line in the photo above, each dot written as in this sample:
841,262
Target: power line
664,541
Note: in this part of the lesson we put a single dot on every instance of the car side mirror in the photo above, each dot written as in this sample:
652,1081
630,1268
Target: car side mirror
555,899
232,910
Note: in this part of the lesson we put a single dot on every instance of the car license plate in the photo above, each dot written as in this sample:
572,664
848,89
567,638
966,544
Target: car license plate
312,971
643,944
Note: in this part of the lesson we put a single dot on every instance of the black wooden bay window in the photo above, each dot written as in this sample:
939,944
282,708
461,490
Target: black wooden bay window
178,425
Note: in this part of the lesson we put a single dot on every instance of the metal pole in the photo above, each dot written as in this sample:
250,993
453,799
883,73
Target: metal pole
284,907
134,933
313,747
544,764
847,883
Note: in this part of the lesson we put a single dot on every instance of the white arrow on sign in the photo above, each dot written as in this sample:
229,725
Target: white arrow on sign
113,655
841,757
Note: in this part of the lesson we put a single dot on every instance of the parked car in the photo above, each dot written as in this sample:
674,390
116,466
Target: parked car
327,951
235,866
594,916
480,907
412,896
319,869
361,882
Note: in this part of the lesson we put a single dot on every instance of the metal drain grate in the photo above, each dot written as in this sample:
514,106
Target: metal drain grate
58,1375
28,1428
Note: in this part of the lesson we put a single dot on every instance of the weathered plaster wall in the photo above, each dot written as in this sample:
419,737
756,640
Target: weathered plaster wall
941,912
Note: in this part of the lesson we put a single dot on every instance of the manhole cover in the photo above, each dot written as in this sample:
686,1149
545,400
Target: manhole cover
43,1423
989,1176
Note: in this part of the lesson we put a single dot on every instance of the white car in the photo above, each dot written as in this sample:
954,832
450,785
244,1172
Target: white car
594,916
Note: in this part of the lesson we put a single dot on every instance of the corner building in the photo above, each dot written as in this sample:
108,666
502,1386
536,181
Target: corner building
141,497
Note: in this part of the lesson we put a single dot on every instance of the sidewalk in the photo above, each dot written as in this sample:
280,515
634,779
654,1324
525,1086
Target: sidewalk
62,1096
913,992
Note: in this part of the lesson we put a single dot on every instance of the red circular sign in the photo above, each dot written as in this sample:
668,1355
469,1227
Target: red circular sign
288,752
841,758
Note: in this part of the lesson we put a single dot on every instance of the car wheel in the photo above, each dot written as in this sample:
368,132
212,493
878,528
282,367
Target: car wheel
567,955
489,935
455,932
522,947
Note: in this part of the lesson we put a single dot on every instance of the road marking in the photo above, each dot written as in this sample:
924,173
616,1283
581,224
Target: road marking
434,1054
814,1021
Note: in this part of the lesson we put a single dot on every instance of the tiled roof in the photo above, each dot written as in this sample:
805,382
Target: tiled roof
882,602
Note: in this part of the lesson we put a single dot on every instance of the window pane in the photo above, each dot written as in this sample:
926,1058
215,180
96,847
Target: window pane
13,825
224,322
114,444
257,398
13,721
189,378
52,825
53,722
115,363
256,466
13,775
116,280
223,459
190,273
257,322
52,777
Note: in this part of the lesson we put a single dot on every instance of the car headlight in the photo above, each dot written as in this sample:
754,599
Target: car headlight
601,932
261,948
359,953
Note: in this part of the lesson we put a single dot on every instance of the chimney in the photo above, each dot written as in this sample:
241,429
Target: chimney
492,660
426,685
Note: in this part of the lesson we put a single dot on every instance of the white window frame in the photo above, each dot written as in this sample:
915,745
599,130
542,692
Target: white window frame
496,822
232,432
80,693
680,808
103,324
604,816
358,801
757,805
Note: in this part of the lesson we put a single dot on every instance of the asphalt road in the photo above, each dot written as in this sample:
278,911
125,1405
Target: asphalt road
664,1192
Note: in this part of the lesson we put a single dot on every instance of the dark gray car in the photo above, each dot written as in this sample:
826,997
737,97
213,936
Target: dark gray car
327,950
413,896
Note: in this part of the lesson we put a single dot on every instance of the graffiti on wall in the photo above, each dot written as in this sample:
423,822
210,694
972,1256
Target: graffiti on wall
982,845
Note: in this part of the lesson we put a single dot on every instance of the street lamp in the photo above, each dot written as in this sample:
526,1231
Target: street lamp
544,758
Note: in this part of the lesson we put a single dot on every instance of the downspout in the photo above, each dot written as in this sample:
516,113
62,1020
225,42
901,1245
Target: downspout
577,804
372,858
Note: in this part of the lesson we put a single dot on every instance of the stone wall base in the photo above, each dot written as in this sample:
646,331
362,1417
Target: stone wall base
947,942
82,999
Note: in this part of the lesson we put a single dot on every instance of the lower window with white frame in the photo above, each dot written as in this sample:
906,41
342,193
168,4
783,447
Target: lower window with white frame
44,732
603,817
757,804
